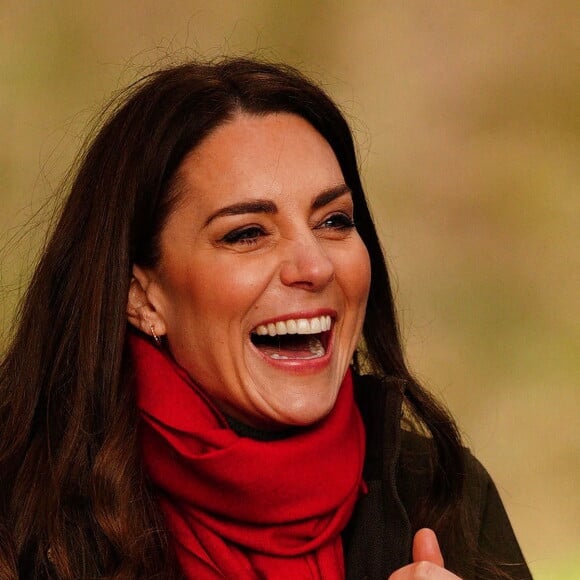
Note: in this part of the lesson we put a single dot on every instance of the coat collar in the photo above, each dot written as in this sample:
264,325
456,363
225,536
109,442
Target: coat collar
378,538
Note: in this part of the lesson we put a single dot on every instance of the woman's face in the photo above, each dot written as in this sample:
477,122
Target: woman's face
262,284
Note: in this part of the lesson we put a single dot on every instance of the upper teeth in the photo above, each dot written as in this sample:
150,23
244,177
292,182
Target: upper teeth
295,326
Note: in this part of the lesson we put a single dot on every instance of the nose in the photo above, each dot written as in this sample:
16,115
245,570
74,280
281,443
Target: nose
306,264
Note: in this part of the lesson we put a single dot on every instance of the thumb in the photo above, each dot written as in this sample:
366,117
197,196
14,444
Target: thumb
426,547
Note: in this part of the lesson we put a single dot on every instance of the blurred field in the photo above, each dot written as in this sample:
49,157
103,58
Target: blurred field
467,118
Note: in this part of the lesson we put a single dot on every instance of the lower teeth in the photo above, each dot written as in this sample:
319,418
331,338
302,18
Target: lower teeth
314,346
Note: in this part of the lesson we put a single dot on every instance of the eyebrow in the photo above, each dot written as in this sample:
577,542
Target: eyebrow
329,195
269,207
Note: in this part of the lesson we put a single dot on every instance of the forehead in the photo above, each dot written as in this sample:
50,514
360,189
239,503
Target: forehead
256,156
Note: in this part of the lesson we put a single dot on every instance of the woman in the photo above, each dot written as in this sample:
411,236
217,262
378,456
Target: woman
207,380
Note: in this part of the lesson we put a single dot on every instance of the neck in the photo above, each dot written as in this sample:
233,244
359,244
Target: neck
244,430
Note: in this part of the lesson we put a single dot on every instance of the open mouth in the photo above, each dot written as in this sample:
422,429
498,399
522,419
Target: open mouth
293,339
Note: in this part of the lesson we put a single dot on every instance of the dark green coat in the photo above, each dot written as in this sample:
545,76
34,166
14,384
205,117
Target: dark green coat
379,536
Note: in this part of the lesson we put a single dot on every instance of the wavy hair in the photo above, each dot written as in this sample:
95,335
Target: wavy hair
75,500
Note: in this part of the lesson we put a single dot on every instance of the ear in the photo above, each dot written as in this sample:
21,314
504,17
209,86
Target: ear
141,313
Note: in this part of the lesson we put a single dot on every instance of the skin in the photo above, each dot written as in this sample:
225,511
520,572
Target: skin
427,560
220,275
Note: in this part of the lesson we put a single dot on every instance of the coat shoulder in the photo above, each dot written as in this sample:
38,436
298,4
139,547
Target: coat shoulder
402,461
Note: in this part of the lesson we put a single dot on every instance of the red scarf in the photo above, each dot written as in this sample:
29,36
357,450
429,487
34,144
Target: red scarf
241,508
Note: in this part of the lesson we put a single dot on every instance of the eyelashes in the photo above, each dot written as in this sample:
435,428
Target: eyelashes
337,221
249,235
245,236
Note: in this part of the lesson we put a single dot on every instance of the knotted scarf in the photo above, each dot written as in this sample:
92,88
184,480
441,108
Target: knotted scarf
241,508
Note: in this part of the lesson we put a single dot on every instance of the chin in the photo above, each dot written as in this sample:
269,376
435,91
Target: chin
305,410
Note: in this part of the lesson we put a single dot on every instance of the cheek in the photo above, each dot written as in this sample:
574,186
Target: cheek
355,272
209,298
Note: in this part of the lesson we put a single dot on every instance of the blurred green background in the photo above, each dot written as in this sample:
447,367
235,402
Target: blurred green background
467,119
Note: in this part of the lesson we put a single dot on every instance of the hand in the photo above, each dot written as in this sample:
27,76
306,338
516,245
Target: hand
427,560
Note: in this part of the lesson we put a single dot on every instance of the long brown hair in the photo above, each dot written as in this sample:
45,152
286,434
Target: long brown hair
75,502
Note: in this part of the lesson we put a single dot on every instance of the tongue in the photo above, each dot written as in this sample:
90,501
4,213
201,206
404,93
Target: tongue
295,347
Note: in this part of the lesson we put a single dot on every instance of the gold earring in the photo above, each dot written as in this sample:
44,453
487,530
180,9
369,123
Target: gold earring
154,335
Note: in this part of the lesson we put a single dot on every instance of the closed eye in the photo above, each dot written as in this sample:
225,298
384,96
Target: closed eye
247,235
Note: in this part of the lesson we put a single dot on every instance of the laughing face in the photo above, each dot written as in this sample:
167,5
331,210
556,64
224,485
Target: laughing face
262,283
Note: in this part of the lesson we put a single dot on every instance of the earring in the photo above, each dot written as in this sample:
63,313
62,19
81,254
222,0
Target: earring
155,337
